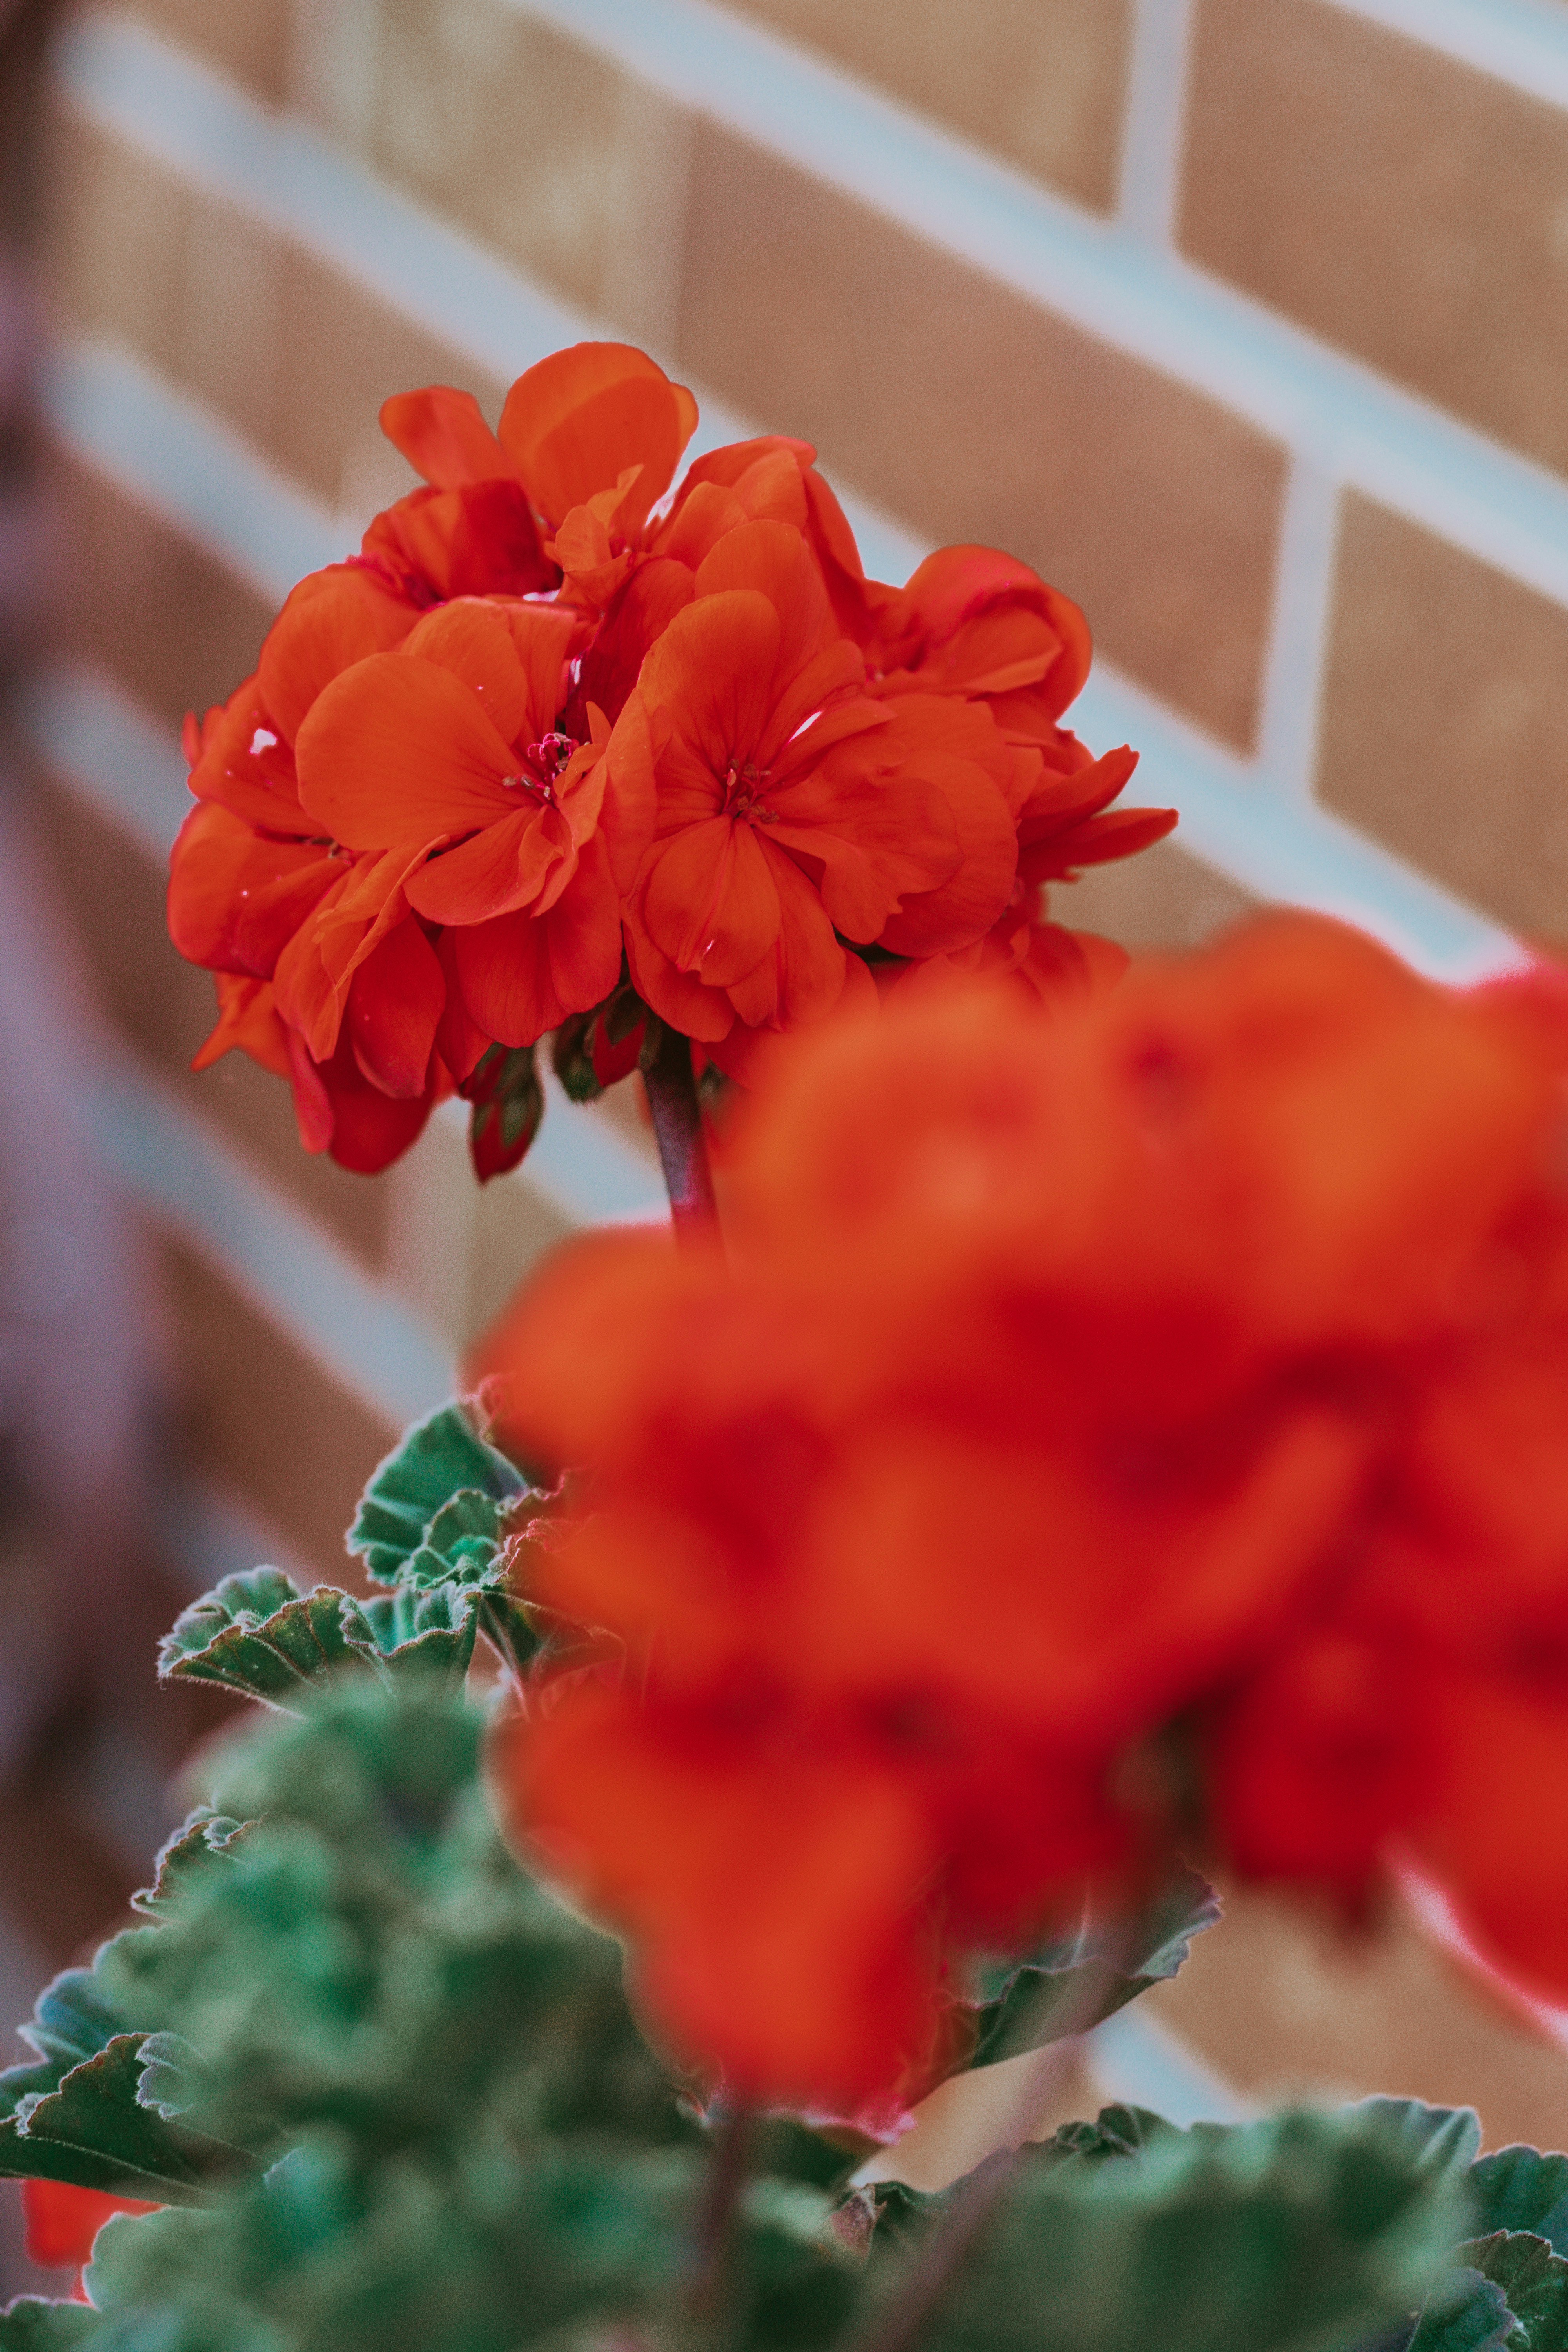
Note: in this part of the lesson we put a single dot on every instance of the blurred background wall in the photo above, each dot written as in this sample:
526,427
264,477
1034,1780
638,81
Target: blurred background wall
1245,320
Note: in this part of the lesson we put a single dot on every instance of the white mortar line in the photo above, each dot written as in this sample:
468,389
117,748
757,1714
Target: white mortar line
1298,632
1155,121
1158,309
175,1166
191,466
1396,448
1521,42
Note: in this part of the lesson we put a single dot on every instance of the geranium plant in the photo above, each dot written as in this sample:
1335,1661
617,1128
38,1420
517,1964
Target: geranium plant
1113,1434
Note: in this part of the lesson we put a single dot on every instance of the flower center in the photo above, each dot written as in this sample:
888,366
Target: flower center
544,763
743,793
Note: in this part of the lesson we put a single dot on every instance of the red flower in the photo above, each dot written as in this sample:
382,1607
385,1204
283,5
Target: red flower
589,439
1137,1421
444,761
61,2223
558,719
261,894
793,812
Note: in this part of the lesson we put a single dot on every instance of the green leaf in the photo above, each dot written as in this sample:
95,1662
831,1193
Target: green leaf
76,2016
94,2131
899,2215
258,1634
798,2278
1519,2189
75,2116
467,1534
491,2251
509,1623
1083,1979
1439,2140
1307,2232
33,2324
430,1631
1465,2313
372,1960
1117,2131
1532,2277
439,1459
202,1843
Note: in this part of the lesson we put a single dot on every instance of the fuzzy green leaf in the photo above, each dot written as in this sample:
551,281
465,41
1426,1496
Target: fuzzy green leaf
258,1634
1116,2131
202,1843
1307,2232
33,2324
1442,2141
373,1961
1079,1982
440,1459
467,1534
1534,2280
1520,2189
76,2016
495,2252
94,2131
430,1631
509,1623
1465,2313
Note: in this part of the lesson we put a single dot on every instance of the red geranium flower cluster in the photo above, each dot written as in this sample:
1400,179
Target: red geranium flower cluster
559,739
1130,1428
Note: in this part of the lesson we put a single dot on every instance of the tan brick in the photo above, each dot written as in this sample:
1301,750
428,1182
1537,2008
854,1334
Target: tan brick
1042,86
293,354
456,1251
113,250
347,353
1280,2003
156,611
974,415
247,39
540,146
1446,718
112,892
262,1416
234,349
1392,200
1162,899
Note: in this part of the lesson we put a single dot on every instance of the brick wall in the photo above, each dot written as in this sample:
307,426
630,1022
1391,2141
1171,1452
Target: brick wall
1240,319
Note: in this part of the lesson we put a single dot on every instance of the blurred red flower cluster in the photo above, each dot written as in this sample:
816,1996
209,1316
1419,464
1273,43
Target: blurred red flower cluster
557,729
61,2221
1123,1429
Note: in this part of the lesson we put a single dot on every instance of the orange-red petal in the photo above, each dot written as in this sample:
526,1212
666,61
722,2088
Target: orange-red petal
443,436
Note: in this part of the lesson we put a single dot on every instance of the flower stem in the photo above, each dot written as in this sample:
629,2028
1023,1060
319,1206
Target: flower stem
682,1147
976,2200
726,2179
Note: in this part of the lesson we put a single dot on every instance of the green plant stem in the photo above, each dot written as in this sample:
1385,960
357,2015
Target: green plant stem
682,1147
726,2179
493,1626
976,2198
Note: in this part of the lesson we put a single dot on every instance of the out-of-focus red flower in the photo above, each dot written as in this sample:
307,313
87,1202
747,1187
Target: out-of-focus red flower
60,2223
1119,1422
